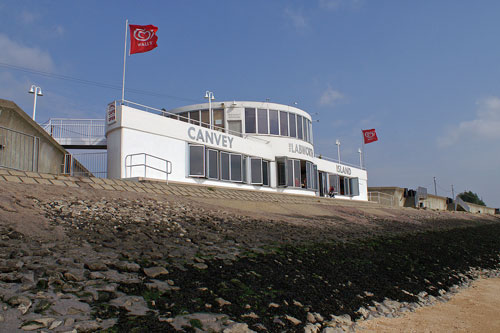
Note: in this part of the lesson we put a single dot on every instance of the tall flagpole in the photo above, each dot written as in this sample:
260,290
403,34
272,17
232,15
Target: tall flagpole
363,149
124,60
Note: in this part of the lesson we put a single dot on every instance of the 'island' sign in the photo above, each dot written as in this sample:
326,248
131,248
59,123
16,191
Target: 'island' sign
300,149
210,137
343,169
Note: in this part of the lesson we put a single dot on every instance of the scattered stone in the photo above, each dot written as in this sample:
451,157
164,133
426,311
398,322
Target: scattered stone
200,265
311,318
311,328
250,315
69,322
87,326
238,328
31,326
222,302
135,305
293,320
273,305
96,266
55,324
154,272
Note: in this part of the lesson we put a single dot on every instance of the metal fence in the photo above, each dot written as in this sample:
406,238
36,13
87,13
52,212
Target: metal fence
86,164
381,198
76,131
18,150
136,163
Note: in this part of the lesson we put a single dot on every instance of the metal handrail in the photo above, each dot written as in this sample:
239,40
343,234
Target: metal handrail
168,165
377,195
62,128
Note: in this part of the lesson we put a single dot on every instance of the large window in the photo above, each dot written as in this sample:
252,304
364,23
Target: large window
250,120
256,170
283,123
235,169
299,128
205,118
274,127
231,167
293,125
262,121
306,129
212,164
194,117
224,166
218,120
265,173
281,168
196,161
289,173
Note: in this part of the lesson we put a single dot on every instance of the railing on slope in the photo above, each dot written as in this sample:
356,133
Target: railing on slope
76,132
18,150
158,163
381,198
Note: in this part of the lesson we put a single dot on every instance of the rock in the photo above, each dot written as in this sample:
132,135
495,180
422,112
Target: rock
42,305
96,266
96,275
363,312
297,303
55,324
23,303
311,328
250,315
222,302
310,317
127,266
45,321
87,326
160,286
31,326
69,322
273,305
293,320
200,265
319,317
154,272
238,328
75,276
333,330
135,305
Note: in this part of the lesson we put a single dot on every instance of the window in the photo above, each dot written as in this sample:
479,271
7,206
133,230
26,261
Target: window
212,164
224,166
273,122
235,170
245,161
310,132
293,125
299,128
250,120
281,169
262,121
265,173
196,161
205,118
194,117
256,170
218,120
234,127
296,173
283,123
354,186
315,177
289,173
184,116
306,129
334,183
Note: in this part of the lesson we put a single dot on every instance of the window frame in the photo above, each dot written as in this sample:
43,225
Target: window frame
190,161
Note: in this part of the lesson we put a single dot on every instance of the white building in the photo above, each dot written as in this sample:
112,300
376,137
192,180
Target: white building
248,145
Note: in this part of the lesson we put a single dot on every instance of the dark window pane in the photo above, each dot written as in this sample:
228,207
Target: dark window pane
296,173
281,167
244,169
273,122
213,164
304,123
224,166
289,176
293,125
236,167
262,121
265,173
184,116
283,123
196,161
299,127
256,169
205,118
218,120
249,120
194,117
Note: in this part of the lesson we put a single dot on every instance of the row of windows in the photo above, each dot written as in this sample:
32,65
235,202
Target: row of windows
263,121
331,184
202,118
297,173
219,165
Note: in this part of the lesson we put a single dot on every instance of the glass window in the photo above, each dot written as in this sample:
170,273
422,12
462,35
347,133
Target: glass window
296,173
194,117
236,167
299,128
310,132
265,173
249,120
273,122
262,121
224,166
281,169
289,173
308,175
334,184
245,161
256,170
304,123
196,160
218,120
315,177
205,118
293,125
184,116
212,164
354,186
283,123
234,127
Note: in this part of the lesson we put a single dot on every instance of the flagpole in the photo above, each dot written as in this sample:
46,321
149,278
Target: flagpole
363,149
124,60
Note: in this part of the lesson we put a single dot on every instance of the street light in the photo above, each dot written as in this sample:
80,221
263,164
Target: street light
37,91
337,142
210,96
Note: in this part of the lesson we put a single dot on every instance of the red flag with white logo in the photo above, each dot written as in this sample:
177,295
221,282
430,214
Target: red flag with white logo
370,135
142,38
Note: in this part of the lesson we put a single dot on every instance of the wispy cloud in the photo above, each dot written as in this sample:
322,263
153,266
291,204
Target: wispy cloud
330,97
14,53
486,125
297,18
336,4
28,17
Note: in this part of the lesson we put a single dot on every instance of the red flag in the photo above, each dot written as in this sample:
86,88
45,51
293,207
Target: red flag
370,135
142,38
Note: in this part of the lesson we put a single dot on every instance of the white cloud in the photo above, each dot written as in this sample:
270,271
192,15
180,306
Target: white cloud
330,97
486,126
298,19
28,17
13,53
336,4
59,30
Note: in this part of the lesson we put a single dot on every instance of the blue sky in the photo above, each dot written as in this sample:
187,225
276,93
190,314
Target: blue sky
425,74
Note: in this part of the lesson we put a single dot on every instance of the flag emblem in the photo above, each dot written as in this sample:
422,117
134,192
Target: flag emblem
142,38
370,135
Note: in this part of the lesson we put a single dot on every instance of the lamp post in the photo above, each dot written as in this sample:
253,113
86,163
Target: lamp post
210,96
37,91
337,142
360,152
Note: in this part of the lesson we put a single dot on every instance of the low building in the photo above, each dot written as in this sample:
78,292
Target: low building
239,144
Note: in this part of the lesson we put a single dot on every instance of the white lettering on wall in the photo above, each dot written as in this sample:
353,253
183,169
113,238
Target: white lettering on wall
205,136
343,169
300,149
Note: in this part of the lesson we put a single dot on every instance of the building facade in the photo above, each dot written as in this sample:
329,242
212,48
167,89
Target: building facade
252,145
